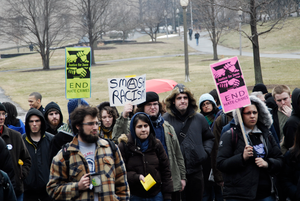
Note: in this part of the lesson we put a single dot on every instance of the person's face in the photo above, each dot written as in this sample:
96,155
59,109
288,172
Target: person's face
88,131
33,103
250,116
35,124
2,118
181,102
142,130
283,99
107,119
152,108
207,106
54,118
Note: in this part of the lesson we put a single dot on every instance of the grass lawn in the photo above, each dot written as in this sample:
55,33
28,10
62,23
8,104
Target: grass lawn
51,84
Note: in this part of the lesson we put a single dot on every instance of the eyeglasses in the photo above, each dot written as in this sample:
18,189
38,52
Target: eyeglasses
206,103
92,123
3,114
249,113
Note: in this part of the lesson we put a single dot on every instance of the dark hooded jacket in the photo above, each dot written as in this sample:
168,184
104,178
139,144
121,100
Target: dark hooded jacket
52,105
199,140
293,121
35,183
18,150
242,178
153,161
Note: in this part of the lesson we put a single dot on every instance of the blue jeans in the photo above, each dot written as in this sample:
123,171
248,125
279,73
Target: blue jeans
270,198
158,197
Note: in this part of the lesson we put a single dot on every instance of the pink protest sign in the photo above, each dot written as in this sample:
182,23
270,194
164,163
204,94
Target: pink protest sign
230,84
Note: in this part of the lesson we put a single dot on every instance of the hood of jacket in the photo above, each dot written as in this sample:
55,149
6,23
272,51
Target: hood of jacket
53,105
132,130
36,112
171,98
264,116
295,101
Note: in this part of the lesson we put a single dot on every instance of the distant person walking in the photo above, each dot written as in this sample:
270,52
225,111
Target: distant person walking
190,32
197,36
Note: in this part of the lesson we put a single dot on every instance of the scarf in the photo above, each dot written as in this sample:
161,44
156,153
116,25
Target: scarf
105,132
210,117
159,130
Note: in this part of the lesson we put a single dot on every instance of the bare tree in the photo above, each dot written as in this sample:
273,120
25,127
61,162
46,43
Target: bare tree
41,23
93,19
213,18
125,19
255,13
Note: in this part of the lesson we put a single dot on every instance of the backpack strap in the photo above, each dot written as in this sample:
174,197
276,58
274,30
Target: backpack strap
112,146
184,129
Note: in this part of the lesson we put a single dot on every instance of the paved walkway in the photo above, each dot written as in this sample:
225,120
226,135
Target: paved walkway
204,47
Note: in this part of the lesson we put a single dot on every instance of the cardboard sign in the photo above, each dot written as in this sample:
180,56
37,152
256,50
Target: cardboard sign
230,84
128,89
78,72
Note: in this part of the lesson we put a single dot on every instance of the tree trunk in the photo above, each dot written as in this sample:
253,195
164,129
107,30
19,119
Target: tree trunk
45,60
214,36
255,44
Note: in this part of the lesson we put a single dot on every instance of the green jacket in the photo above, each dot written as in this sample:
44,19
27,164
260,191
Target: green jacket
175,156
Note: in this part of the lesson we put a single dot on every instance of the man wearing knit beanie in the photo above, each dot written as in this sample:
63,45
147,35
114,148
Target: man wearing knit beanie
164,132
53,117
18,151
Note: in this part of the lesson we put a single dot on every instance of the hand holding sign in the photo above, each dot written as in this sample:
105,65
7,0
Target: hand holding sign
127,109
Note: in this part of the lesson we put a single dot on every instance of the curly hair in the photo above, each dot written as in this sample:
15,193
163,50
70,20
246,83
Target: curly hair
78,115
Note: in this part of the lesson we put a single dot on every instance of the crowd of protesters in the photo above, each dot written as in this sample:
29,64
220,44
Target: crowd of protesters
186,150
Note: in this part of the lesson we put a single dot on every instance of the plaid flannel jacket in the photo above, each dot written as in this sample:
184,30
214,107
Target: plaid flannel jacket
110,166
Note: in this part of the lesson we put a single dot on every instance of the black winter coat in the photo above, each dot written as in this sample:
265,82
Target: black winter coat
154,161
197,144
241,177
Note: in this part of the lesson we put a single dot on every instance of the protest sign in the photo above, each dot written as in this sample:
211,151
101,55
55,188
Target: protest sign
231,87
128,89
230,84
78,72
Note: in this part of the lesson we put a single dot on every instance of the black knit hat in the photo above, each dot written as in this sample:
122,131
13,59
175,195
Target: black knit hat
150,97
2,108
260,87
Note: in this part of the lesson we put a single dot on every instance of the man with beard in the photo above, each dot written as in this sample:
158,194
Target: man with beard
37,141
164,132
53,117
89,156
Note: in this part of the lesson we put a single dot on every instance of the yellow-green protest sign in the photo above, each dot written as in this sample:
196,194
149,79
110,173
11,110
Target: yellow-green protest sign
78,72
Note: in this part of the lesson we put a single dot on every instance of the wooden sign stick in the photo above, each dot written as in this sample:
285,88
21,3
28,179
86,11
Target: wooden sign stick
238,112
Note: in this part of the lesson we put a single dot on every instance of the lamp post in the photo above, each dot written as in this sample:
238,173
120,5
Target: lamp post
165,14
184,4
177,15
240,13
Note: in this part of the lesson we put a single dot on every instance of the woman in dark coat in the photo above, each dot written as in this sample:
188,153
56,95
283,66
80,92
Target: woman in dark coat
248,170
144,154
